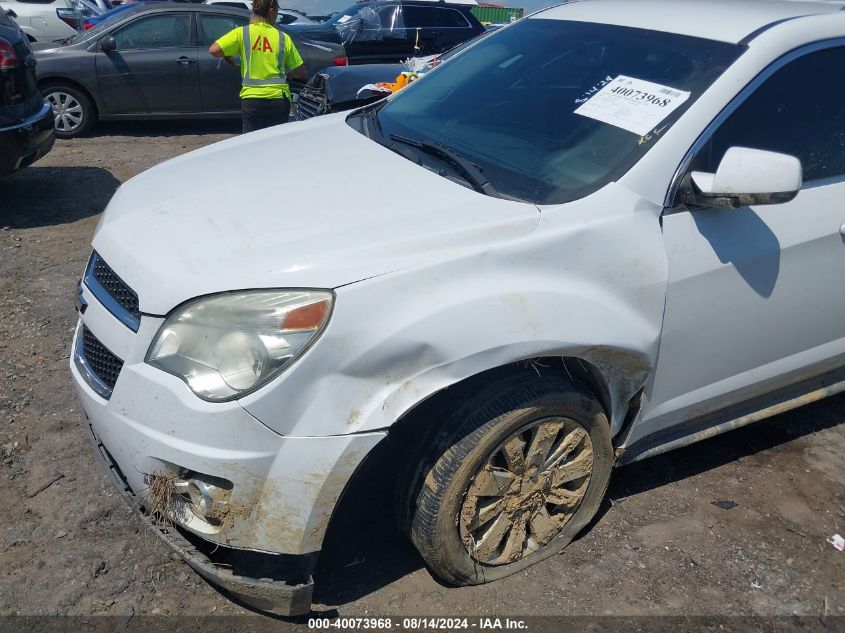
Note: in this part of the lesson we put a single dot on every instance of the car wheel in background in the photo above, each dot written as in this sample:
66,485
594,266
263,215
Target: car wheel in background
523,469
73,110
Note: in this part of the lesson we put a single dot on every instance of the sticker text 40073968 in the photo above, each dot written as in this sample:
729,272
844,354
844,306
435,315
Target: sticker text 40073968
646,96
632,104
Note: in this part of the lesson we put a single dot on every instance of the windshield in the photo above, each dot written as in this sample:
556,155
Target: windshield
549,110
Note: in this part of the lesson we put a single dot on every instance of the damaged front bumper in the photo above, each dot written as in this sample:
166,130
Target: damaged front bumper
250,507
272,596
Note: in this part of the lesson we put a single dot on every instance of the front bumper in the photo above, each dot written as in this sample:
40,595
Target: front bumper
273,596
280,490
27,141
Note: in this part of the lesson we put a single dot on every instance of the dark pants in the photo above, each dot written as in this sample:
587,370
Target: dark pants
261,113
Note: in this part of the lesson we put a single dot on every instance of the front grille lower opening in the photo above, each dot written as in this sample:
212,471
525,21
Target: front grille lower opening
105,365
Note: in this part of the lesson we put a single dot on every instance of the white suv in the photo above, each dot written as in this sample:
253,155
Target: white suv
286,16
607,230
47,20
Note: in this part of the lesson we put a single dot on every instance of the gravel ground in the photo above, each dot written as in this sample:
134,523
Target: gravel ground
659,546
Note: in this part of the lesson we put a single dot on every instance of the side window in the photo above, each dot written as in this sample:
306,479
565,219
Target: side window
158,31
451,19
797,111
215,26
286,18
388,17
235,5
418,17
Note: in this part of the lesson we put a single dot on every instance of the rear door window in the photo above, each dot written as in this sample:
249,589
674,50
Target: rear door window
418,17
158,31
451,19
216,26
388,17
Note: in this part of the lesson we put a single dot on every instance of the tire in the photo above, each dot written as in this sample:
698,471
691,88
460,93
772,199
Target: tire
73,110
473,491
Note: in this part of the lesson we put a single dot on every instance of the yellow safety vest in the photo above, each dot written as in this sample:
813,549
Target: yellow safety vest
264,48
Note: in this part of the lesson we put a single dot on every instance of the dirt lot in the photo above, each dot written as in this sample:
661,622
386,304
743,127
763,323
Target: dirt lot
659,547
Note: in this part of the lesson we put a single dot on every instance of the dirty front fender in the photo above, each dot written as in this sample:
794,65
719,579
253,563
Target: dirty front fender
590,283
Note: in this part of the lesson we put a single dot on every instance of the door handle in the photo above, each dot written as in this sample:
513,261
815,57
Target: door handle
186,60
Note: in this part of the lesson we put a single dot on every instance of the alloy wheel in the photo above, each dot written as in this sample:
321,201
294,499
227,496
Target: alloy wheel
67,111
526,491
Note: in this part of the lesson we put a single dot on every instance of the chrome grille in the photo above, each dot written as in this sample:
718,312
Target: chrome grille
96,363
113,292
311,102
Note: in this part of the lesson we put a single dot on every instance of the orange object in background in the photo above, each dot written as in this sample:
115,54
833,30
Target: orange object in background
401,82
403,79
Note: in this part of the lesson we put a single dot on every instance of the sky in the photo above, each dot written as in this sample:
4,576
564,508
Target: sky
324,7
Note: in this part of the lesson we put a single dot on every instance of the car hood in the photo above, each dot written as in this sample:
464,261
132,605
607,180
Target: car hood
313,204
342,83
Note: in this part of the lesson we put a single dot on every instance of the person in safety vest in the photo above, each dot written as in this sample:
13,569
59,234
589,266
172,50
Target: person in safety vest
265,54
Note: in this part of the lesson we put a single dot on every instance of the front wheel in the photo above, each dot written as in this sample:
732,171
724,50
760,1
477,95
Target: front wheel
73,111
523,470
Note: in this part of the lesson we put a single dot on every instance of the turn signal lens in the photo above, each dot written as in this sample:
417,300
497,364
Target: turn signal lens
341,61
308,317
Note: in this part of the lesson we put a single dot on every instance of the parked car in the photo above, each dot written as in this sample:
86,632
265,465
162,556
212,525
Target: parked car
150,61
285,16
92,21
340,88
386,31
46,20
26,123
609,230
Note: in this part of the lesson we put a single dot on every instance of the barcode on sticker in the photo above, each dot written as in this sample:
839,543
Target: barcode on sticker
671,93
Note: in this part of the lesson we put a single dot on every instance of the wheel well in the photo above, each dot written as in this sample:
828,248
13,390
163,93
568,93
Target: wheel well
61,81
374,478
571,368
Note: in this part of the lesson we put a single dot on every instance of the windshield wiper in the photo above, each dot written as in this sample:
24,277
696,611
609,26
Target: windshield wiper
471,172
371,119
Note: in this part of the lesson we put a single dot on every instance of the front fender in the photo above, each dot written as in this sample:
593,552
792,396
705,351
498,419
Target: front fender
589,282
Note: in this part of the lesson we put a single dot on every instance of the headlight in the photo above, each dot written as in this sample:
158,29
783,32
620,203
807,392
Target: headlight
227,345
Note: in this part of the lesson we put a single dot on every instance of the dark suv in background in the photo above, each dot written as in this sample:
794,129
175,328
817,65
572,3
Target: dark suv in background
387,31
26,122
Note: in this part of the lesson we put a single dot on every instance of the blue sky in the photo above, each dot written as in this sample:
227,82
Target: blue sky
322,7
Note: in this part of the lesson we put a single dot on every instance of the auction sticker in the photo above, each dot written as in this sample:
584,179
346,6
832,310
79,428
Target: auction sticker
633,104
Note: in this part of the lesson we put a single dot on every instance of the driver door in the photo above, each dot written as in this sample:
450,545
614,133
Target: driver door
754,310
153,69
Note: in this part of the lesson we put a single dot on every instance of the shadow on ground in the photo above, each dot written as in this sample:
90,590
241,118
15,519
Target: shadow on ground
364,550
166,128
44,196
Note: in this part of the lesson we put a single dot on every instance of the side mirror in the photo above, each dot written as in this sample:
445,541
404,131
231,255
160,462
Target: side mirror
746,177
108,44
